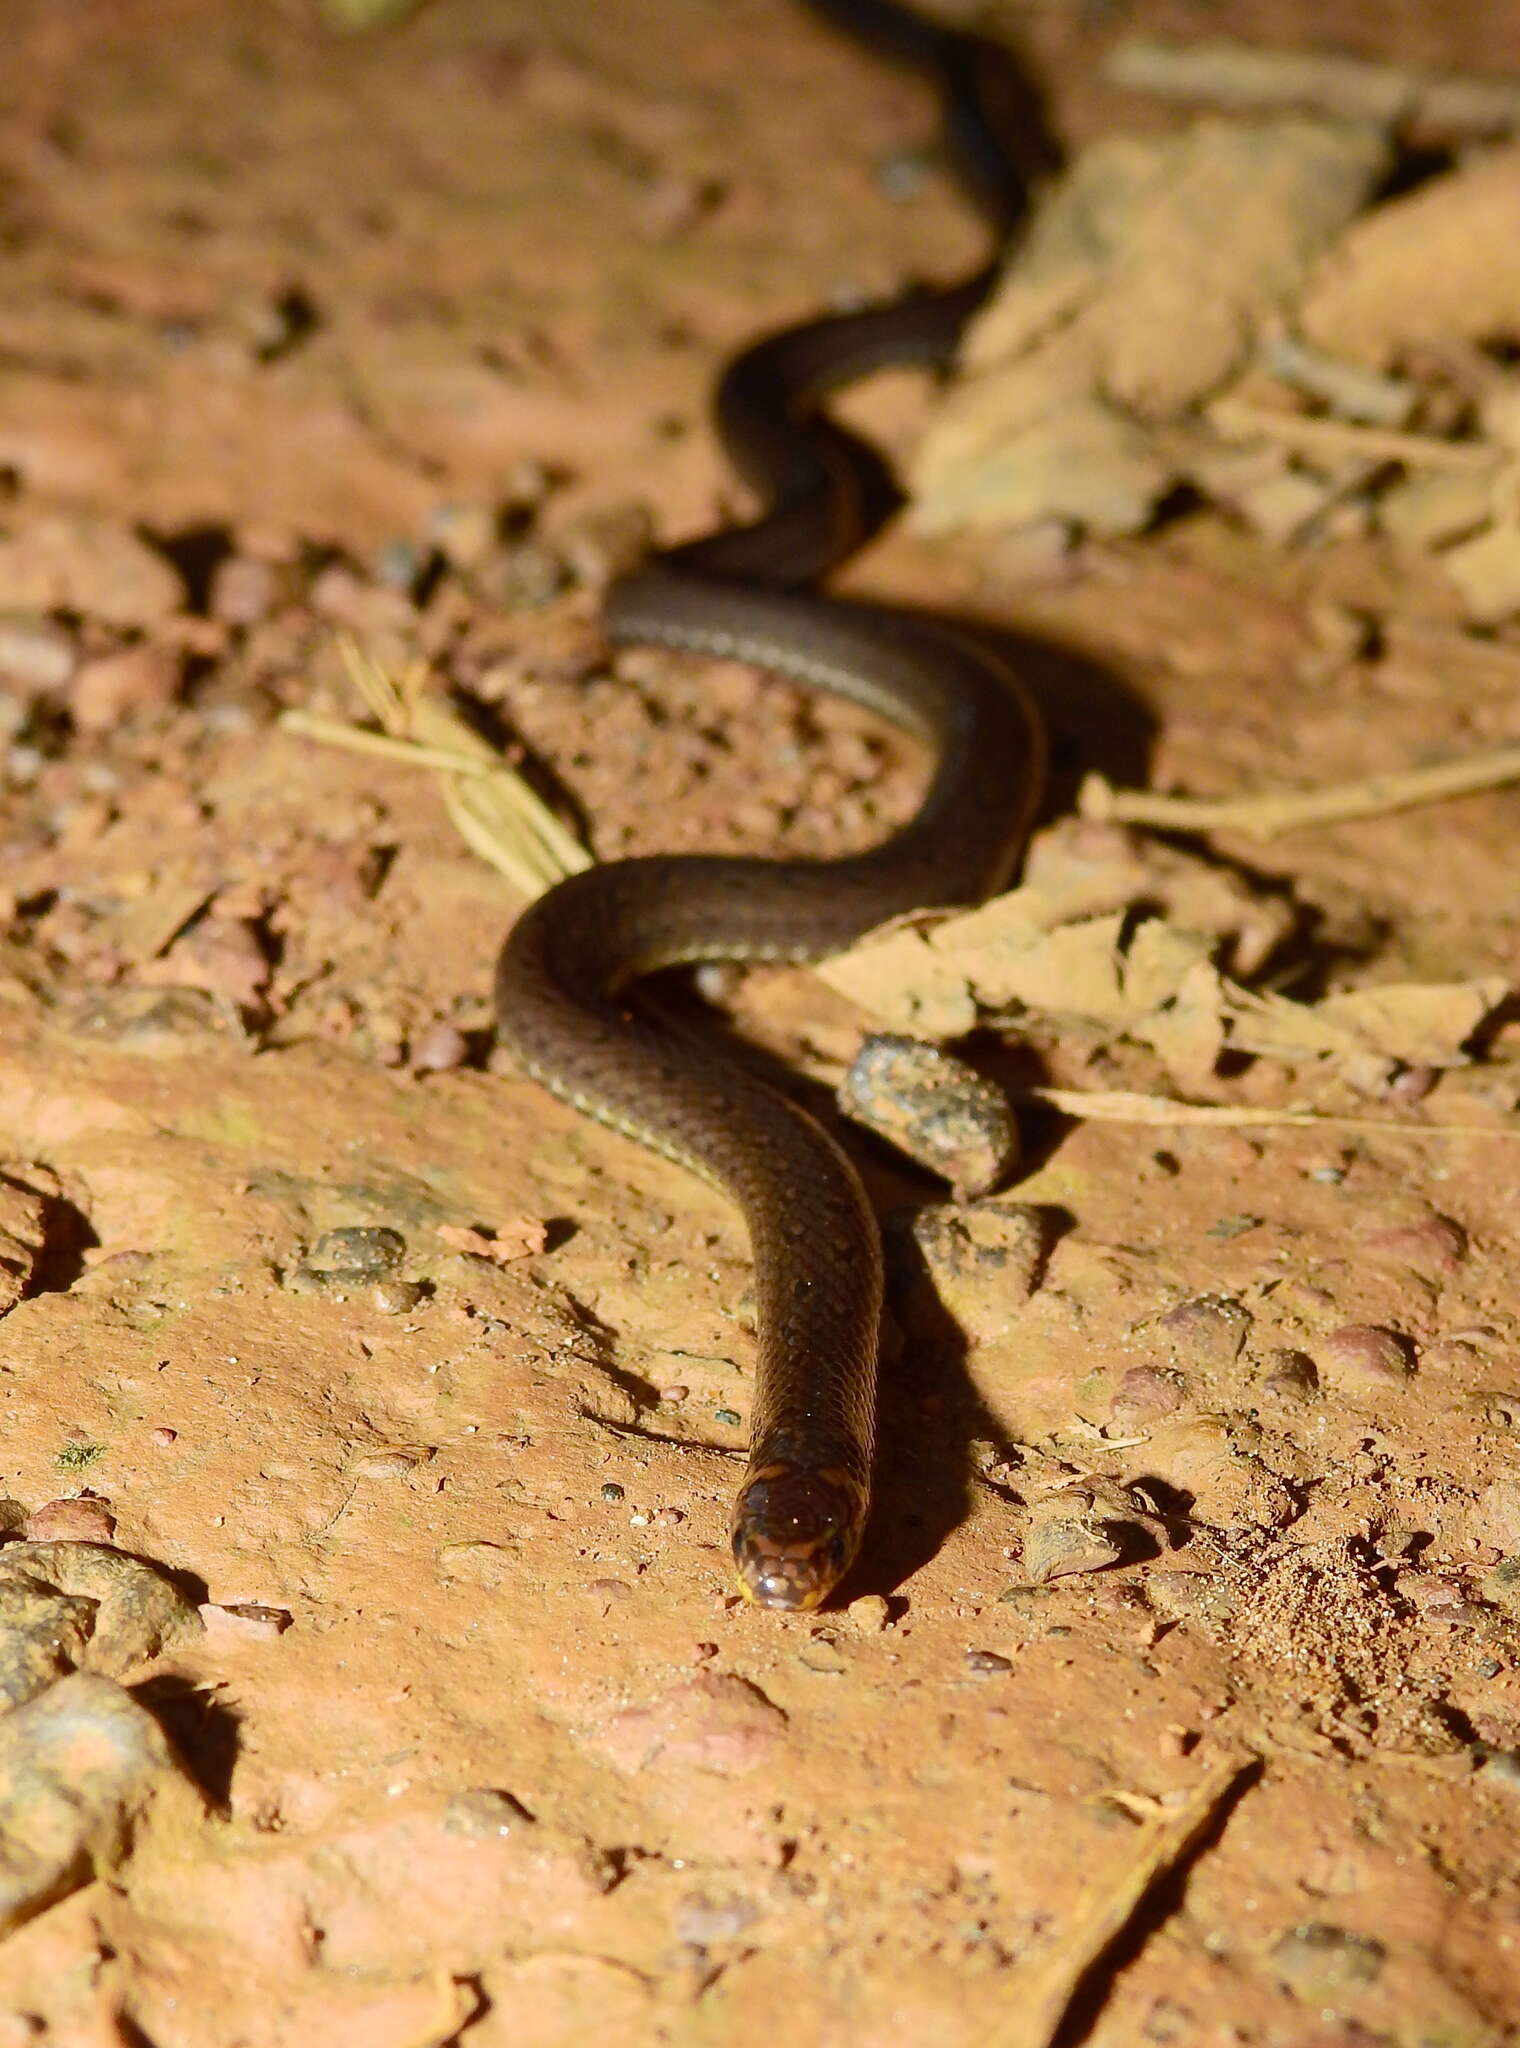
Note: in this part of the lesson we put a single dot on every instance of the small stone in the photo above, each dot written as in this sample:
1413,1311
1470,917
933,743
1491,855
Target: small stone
1494,1517
869,1615
608,542
1209,1330
464,532
362,1250
163,1436
243,591
1436,1246
393,1297
1070,1533
1492,1408
936,1108
988,1664
440,1049
83,1767
78,1519
1365,1355
1144,1392
1502,1585
114,686
675,1395
249,1619
669,1518
36,657
1289,1376
612,1491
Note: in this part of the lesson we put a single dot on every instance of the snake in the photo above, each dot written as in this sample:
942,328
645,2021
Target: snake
567,1000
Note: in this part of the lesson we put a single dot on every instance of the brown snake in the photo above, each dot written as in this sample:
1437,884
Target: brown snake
563,997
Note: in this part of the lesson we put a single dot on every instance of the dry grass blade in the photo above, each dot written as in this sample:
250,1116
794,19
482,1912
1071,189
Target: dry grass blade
1123,1106
492,807
1264,815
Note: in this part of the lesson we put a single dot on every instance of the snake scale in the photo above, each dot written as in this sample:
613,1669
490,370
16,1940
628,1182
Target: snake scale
565,996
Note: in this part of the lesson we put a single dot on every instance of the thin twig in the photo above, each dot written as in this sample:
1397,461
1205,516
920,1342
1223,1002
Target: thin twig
1238,419
1122,1106
1265,815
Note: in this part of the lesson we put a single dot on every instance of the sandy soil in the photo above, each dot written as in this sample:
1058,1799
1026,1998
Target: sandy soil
282,317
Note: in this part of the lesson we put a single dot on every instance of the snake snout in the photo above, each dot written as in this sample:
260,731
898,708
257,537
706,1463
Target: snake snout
795,1533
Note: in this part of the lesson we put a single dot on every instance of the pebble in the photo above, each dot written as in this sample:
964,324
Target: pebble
35,656
163,1436
988,1664
243,591
393,1297
1502,1585
601,544
869,1615
76,1519
675,1395
360,1249
464,532
82,1763
521,578
669,1518
1492,1408
1070,1533
612,1491
934,1107
1494,1517
1436,1246
1365,1354
1209,1330
113,686
1290,1376
1144,1392
440,1049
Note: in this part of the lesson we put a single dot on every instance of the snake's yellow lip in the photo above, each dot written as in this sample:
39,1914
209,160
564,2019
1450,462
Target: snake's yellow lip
794,1602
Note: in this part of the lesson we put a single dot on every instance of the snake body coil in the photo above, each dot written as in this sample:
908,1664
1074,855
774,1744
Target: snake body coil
563,996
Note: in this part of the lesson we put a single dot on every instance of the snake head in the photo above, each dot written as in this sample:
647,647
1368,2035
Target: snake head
796,1531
